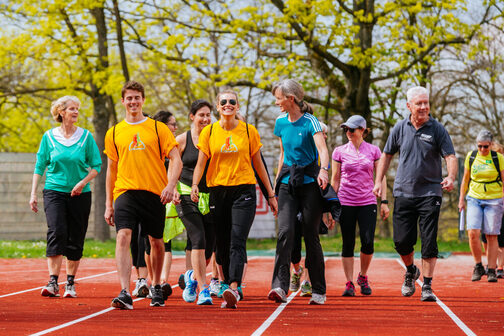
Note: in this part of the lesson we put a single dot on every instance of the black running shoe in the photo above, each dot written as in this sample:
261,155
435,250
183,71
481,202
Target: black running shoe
478,272
181,281
167,290
408,287
491,276
123,301
157,297
362,281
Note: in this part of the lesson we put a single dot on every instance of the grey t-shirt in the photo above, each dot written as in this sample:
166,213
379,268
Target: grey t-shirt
419,173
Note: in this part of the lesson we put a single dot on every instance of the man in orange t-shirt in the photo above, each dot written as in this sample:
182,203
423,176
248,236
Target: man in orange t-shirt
138,187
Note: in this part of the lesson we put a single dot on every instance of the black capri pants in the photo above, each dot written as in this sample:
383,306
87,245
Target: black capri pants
308,200
67,222
200,228
410,212
233,209
365,216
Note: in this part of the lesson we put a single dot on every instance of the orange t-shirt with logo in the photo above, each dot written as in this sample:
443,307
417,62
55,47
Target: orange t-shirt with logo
141,156
229,154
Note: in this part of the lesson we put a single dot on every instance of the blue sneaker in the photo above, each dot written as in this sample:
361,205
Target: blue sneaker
189,294
204,297
223,288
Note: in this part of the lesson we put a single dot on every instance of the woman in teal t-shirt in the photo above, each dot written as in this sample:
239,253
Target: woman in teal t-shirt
72,159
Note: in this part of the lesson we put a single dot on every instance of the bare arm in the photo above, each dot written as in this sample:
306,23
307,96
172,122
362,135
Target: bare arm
452,168
263,175
336,175
109,189
77,189
198,173
464,185
182,141
174,170
320,143
33,196
383,166
280,159
384,209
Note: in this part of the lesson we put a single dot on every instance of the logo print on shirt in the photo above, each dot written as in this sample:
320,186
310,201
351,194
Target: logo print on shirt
229,146
137,143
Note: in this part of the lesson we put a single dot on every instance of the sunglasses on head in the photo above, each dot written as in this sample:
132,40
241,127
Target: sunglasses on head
225,101
348,129
483,146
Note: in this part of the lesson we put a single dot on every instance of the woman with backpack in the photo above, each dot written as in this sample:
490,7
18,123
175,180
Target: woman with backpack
482,182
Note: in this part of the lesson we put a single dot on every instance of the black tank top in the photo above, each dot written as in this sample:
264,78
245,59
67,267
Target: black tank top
189,160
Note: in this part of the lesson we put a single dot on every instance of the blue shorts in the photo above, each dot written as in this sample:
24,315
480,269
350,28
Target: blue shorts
484,215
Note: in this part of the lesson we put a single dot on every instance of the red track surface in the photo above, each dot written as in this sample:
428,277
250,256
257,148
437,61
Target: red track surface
479,305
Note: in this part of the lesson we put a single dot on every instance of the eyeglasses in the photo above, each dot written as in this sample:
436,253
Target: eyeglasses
347,129
225,101
483,146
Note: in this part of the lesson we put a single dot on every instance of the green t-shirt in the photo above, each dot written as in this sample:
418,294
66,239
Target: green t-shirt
67,165
483,170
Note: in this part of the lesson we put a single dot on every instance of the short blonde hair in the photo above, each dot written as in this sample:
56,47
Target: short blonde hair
224,92
61,104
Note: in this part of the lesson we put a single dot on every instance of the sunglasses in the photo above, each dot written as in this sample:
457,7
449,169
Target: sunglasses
483,146
347,129
225,101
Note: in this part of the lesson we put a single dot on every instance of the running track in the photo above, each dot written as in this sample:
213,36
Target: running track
464,307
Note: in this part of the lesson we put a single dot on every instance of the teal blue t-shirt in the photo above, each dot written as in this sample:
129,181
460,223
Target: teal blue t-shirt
297,140
67,165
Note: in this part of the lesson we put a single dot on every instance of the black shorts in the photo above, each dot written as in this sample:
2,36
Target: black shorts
140,207
200,228
67,223
410,212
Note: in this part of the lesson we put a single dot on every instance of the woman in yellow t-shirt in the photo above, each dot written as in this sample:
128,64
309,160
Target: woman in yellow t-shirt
232,146
484,202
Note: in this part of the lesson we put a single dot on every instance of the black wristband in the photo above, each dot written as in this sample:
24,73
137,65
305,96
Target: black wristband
384,202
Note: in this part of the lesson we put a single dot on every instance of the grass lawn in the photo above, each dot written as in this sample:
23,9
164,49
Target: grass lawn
97,249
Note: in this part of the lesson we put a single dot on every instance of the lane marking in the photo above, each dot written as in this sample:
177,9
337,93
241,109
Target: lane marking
60,283
259,331
447,310
101,312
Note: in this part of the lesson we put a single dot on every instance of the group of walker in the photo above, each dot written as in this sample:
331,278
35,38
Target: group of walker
212,185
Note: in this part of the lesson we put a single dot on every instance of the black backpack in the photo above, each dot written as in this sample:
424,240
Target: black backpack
495,160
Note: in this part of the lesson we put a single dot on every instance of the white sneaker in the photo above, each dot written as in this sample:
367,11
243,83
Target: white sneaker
70,291
141,288
318,299
214,287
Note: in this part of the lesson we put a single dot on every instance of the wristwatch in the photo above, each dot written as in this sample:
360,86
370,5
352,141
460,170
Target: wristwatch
325,168
383,201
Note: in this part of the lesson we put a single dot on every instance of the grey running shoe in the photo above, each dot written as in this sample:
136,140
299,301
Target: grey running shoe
214,287
318,299
500,273
491,276
141,288
362,281
51,289
295,279
408,287
478,272
123,301
427,294
349,289
70,291
306,289
157,297
278,295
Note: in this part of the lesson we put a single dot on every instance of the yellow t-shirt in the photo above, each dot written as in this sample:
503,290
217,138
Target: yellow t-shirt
483,170
140,165
228,152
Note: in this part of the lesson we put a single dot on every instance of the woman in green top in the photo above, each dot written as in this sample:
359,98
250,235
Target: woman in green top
72,159
483,175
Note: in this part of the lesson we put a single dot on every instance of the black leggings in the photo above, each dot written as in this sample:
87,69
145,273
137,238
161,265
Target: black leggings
200,228
365,215
233,209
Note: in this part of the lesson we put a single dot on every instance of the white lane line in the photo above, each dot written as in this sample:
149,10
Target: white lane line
101,312
447,310
259,331
36,288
